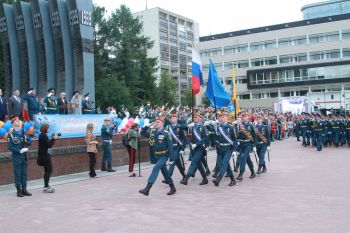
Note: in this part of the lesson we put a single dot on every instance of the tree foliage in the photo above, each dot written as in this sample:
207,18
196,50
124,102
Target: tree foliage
121,53
166,90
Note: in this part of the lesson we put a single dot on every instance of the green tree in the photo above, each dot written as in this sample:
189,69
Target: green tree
187,99
166,90
112,92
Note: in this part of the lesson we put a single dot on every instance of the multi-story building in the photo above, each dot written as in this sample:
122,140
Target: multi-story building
173,37
308,60
325,8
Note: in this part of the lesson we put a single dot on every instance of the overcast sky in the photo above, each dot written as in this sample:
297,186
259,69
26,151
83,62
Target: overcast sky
221,16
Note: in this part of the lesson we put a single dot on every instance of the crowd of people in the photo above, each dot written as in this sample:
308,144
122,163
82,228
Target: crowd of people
170,131
50,104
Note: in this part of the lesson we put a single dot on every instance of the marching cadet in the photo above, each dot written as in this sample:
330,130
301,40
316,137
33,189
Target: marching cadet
247,143
263,139
226,148
197,146
106,135
348,129
297,128
328,131
17,143
312,130
87,105
178,135
304,126
51,102
318,132
336,130
161,146
342,130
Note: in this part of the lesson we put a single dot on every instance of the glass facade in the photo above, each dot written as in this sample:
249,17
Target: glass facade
298,74
326,9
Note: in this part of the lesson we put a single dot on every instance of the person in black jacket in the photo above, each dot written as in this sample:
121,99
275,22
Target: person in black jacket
44,155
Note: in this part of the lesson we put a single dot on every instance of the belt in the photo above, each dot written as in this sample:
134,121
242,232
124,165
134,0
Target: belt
347,128
303,126
318,129
160,152
175,144
224,144
335,127
52,108
110,141
261,142
244,140
89,110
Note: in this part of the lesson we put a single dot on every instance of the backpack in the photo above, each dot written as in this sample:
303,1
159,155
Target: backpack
125,139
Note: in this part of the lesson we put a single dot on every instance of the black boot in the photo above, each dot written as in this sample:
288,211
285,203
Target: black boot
233,181
103,166
185,180
25,191
172,189
19,191
236,168
204,181
259,169
145,191
240,176
110,168
215,175
252,175
264,169
207,172
217,180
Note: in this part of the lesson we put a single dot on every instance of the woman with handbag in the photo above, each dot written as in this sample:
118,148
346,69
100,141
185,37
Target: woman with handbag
91,142
44,155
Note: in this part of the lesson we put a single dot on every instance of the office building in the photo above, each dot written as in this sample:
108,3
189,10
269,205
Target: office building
325,8
173,37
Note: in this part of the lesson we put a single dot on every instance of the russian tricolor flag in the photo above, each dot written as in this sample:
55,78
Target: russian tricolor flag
197,75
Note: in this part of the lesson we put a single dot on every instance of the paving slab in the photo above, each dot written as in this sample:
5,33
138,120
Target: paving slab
302,191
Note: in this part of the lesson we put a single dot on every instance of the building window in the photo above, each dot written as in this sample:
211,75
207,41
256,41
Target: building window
273,94
326,37
346,52
241,64
346,35
262,45
293,58
287,42
323,55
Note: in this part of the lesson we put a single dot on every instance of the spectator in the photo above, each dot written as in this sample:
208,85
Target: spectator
63,104
76,103
3,108
15,105
91,142
133,136
33,105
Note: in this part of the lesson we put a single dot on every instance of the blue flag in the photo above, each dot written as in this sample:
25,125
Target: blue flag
216,89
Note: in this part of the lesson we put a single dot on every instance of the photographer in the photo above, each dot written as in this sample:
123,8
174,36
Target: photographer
107,134
44,155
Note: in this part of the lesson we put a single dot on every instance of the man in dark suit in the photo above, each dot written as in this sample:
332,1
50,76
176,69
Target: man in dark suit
3,108
32,103
62,104
15,105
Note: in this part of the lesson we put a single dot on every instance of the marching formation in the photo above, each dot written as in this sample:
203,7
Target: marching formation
168,140
319,130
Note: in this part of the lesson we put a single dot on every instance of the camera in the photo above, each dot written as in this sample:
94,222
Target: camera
58,134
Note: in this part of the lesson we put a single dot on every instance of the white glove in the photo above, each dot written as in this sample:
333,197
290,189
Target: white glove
206,123
268,148
191,125
238,143
23,150
254,149
182,152
193,146
235,122
234,153
206,149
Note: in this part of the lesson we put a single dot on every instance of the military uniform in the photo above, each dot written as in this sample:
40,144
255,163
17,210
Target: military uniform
263,142
305,131
319,132
33,105
161,145
247,140
51,104
342,131
347,128
226,144
87,106
177,133
198,142
106,135
17,140
336,123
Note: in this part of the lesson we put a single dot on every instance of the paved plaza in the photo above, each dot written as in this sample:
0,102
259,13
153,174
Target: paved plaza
302,191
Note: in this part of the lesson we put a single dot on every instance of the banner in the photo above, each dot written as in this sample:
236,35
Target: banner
71,125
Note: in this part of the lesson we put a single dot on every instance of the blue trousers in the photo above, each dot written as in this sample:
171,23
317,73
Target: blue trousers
196,161
245,149
177,162
336,134
319,140
342,137
306,136
348,136
160,166
20,169
107,154
224,162
261,151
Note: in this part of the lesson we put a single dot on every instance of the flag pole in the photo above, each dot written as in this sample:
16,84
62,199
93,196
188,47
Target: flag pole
192,104
216,112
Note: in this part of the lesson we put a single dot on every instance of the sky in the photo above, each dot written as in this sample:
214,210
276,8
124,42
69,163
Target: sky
221,16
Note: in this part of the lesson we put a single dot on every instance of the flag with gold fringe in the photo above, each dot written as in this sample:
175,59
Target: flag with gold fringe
233,107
